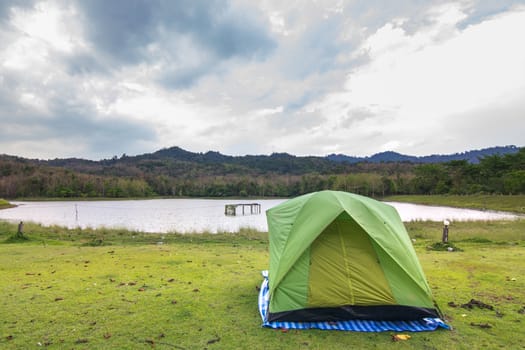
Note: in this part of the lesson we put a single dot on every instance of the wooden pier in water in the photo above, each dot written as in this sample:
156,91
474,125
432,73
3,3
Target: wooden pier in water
247,209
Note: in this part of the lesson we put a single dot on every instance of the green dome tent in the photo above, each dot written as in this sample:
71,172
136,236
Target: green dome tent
340,256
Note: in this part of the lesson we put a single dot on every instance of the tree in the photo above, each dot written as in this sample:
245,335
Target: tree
514,182
430,179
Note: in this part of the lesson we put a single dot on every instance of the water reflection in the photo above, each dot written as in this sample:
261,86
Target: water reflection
414,212
194,215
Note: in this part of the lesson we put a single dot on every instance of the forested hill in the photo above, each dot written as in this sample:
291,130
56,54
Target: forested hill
282,163
177,172
472,157
176,161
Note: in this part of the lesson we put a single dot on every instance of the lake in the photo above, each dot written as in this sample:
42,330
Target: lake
194,215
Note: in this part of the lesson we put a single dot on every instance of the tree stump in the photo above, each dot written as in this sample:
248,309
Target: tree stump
20,231
444,238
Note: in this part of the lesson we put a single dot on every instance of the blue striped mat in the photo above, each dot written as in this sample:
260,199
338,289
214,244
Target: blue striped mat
425,324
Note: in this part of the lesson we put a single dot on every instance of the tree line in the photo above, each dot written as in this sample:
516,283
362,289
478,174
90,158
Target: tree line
125,178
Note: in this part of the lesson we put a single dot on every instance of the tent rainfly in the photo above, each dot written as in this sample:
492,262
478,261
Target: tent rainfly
338,256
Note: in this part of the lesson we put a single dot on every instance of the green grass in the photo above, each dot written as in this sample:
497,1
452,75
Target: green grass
514,203
499,232
5,204
200,291
58,235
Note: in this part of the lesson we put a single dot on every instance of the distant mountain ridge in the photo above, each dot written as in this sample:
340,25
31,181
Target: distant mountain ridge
176,172
470,156
278,162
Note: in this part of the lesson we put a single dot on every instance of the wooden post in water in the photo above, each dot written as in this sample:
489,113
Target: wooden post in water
231,209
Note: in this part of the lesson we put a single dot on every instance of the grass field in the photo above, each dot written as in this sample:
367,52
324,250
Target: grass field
108,290
116,289
5,204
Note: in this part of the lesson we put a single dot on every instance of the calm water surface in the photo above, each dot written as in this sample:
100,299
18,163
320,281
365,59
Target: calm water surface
194,215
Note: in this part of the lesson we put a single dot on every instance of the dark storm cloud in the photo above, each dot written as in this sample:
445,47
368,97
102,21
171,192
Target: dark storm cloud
105,135
73,122
71,125
137,31
185,77
121,29
10,106
218,33
83,63
224,31
75,119
68,119
317,50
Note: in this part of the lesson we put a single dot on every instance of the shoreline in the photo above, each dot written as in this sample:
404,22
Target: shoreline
500,203
508,230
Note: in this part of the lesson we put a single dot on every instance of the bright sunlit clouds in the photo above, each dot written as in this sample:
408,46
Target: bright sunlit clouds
422,84
96,79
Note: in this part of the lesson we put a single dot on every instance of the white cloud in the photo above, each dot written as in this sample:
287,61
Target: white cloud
343,77
417,83
278,23
269,111
49,23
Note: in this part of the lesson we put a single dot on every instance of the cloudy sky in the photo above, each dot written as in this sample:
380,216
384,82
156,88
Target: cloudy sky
97,78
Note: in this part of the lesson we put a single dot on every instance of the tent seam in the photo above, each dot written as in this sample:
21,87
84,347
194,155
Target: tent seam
427,288
347,268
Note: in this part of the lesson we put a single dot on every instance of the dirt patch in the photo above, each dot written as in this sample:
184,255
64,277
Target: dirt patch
476,303
473,303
